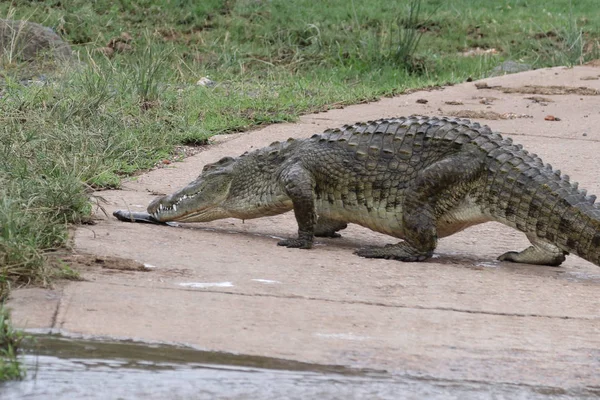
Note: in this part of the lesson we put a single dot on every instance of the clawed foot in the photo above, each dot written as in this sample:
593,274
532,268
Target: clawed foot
296,243
533,255
400,252
508,256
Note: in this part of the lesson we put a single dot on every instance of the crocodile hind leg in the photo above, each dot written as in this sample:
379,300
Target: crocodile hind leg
438,187
328,227
541,253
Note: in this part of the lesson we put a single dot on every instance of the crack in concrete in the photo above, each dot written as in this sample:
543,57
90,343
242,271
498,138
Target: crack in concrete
505,135
372,303
55,313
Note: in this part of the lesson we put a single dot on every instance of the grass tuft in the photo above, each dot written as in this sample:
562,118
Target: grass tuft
407,37
149,73
10,340
568,44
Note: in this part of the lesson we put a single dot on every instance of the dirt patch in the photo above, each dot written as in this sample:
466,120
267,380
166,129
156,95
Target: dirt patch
118,44
480,114
475,32
105,262
593,63
546,35
478,51
540,99
590,78
426,26
543,90
485,100
180,153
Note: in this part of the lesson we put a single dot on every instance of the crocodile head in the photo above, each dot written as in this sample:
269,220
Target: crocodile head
204,199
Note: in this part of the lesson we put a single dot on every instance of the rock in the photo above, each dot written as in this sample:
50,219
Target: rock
206,81
27,41
510,67
41,80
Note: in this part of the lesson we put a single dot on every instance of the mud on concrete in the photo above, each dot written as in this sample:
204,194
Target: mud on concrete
79,261
543,90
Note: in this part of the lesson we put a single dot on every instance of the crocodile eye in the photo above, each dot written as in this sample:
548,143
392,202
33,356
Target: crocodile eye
225,160
219,164
208,167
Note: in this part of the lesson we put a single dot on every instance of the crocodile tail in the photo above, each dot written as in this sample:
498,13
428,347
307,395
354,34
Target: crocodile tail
573,222
540,201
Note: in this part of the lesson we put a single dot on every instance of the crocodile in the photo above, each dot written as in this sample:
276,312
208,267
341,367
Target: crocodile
414,178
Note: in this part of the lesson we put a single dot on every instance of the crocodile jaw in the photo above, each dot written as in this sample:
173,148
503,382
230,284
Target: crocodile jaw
186,208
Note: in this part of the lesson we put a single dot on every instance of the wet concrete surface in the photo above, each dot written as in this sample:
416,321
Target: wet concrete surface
62,368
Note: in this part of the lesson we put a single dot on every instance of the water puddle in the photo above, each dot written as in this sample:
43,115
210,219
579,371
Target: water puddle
60,368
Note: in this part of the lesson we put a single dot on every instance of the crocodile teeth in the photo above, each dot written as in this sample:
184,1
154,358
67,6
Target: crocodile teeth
174,207
160,207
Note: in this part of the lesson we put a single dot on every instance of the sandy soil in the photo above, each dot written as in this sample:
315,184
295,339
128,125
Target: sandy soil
226,286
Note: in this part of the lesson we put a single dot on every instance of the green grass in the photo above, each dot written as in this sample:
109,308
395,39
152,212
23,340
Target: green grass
93,123
10,340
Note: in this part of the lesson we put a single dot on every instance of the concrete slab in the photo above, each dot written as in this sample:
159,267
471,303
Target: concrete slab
226,286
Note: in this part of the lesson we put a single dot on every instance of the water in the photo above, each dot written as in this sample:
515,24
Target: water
59,368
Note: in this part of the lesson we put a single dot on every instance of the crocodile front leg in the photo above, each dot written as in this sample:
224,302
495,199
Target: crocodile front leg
449,178
299,185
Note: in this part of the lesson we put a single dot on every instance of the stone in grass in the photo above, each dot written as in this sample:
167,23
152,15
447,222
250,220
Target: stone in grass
206,81
510,67
26,41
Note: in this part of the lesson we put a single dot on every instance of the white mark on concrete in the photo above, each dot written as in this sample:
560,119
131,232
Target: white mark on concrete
265,281
149,266
492,264
275,237
577,276
206,284
343,336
